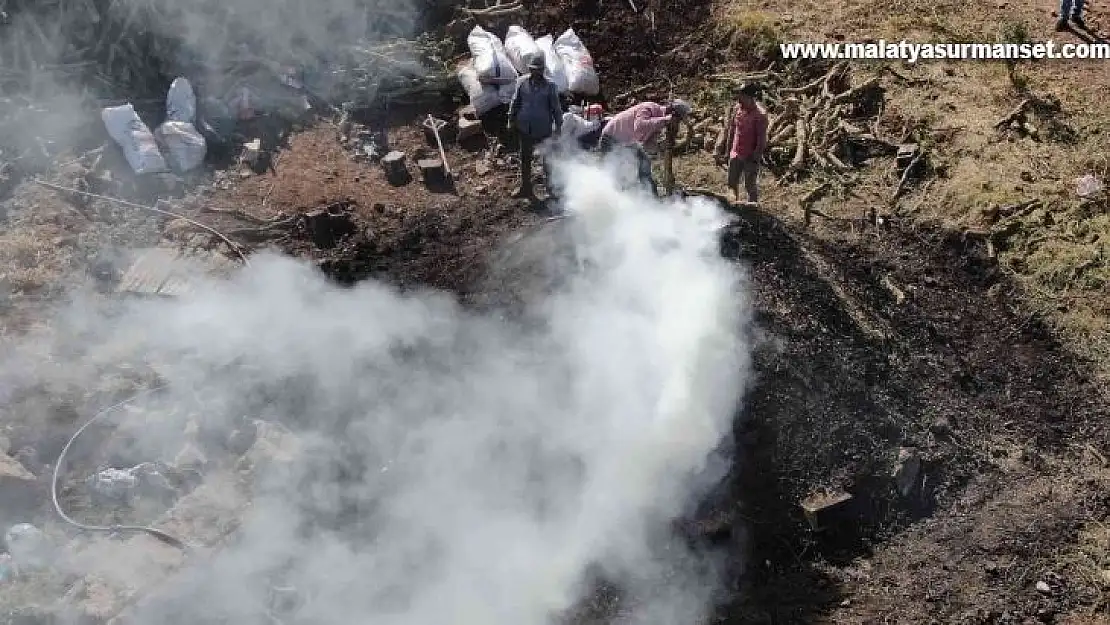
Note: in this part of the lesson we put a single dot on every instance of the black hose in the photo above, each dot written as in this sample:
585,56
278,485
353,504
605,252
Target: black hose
156,533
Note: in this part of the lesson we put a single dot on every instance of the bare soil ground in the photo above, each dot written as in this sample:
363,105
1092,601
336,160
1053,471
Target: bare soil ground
876,339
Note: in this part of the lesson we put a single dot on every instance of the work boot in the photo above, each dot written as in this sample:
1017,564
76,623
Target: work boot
1061,24
1078,21
522,193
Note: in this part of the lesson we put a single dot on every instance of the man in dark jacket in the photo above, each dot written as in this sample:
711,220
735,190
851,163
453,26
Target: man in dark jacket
535,112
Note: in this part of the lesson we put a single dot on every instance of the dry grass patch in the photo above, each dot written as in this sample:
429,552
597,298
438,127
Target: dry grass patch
31,260
750,34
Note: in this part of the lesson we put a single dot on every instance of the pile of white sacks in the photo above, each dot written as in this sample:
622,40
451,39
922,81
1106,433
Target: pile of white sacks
489,77
184,146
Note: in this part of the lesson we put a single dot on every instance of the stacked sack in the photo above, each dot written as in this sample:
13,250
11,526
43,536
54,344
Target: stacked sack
183,144
490,77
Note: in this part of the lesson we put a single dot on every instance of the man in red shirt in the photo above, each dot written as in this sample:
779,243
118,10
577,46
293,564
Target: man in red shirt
747,139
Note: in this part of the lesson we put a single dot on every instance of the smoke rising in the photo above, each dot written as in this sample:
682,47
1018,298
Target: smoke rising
61,61
454,467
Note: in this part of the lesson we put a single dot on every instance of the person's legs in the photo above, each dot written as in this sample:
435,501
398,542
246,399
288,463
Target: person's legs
1077,13
751,177
735,166
1064,14
643,166
553,149
527,146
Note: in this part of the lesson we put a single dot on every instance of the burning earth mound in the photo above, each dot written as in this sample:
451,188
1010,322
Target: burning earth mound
396,457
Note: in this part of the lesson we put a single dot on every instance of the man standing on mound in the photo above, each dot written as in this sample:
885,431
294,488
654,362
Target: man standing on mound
535,112
747,140
639,126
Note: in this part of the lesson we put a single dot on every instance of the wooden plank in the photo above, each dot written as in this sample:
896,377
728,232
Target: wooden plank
150,271
169,272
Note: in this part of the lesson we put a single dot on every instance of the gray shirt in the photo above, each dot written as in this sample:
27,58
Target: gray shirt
535,107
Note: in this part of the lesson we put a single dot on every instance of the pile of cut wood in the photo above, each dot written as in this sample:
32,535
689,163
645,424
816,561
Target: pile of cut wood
825,125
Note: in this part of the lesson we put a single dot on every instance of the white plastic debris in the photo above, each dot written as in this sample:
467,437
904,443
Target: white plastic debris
1088,186
490,61
28,547
134,137
581,75
554,69
520,48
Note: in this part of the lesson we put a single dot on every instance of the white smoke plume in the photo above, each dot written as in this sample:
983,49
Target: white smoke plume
462,468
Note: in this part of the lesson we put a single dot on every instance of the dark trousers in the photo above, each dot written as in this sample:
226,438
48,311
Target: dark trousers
1071,9
643,162
527,154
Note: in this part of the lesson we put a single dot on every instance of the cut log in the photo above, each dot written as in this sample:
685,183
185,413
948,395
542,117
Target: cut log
326,227
396,172
469,128
825,509
432,170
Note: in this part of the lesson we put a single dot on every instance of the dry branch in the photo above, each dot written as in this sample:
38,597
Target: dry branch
906,176
1017,115
800,150
817,84
495,11
854,92
899,295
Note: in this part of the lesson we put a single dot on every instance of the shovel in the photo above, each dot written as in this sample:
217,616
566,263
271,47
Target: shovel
435,125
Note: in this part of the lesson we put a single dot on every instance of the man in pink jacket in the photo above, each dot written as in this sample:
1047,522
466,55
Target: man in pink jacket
639,126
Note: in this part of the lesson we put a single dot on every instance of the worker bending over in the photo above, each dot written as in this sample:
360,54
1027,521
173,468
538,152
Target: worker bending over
536,113
637,128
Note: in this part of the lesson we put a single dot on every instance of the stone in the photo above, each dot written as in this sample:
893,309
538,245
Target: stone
481,168
907,472
823,508
1044,588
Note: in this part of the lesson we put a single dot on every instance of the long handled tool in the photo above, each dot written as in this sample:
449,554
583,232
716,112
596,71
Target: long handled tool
435,125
